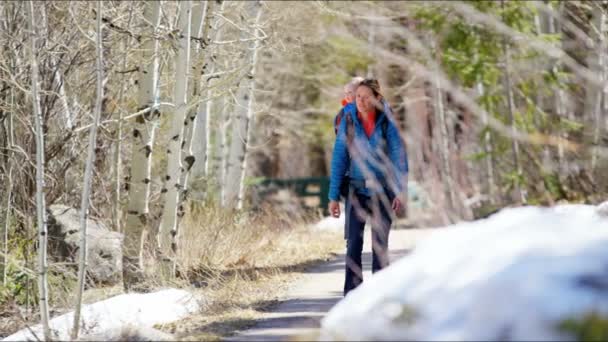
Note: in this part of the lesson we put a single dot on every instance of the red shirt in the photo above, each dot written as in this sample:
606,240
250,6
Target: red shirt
368,124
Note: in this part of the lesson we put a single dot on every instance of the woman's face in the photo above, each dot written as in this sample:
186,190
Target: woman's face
366,101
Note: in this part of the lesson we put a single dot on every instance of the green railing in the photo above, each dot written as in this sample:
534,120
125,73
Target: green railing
311,187
303,187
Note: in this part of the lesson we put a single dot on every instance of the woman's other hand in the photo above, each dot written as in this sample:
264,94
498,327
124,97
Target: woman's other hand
399,206
334,208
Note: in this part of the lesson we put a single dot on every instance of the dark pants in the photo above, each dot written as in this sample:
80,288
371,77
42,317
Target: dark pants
358,208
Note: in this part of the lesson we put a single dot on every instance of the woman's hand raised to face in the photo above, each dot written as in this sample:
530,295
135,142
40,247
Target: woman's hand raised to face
334,208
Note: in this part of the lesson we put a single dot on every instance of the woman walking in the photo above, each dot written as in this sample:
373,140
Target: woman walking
369,148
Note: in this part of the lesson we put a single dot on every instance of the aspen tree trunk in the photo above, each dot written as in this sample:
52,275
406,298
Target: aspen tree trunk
40,205
57,77
88,172
540,21
168,225
203,134
510,108
243,114
63,100
138,182
544,23
9,189
210,82
556,103
487,147
597,63
444,147
116,213
559,94
201,14
224,148
219,164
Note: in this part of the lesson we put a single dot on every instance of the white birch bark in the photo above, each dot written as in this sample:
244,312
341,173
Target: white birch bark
443,148
559,94
201,14
57,78
487,147
40,204
88,172
544,24
167,237
596,62
218,166
116,213
138,182
63,101
9,190
243,116
211,85
510,108
203,119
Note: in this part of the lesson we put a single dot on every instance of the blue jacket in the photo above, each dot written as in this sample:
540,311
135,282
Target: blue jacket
389,171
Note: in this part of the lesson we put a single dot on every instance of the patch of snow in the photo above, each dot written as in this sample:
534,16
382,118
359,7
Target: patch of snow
113,314
330,223
512,276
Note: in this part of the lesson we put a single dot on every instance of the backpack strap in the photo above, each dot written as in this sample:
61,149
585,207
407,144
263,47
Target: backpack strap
350,130
337,120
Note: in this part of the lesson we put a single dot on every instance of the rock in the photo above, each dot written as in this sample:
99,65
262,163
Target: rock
104,247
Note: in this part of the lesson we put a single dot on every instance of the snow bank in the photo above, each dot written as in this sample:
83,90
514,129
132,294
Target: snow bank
115,313
512,276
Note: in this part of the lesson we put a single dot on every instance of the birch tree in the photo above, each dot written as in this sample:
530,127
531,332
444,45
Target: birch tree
201,16
212,85
510,110
444,143
40,203
9,189
243,117
116,212
559,94
141,155
222,148
203,135
58,79
487,148
171,187
597,63
86,190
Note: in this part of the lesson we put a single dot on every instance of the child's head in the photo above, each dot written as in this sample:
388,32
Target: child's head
350,89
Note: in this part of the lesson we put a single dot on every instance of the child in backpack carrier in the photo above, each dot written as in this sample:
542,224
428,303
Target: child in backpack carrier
349,97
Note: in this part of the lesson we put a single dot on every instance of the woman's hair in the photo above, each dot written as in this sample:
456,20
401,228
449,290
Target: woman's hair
372,84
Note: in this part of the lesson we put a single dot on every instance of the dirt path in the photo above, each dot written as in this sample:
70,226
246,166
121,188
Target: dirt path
316,292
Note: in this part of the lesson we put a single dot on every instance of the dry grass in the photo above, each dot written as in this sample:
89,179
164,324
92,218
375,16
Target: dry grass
239,262
242,264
